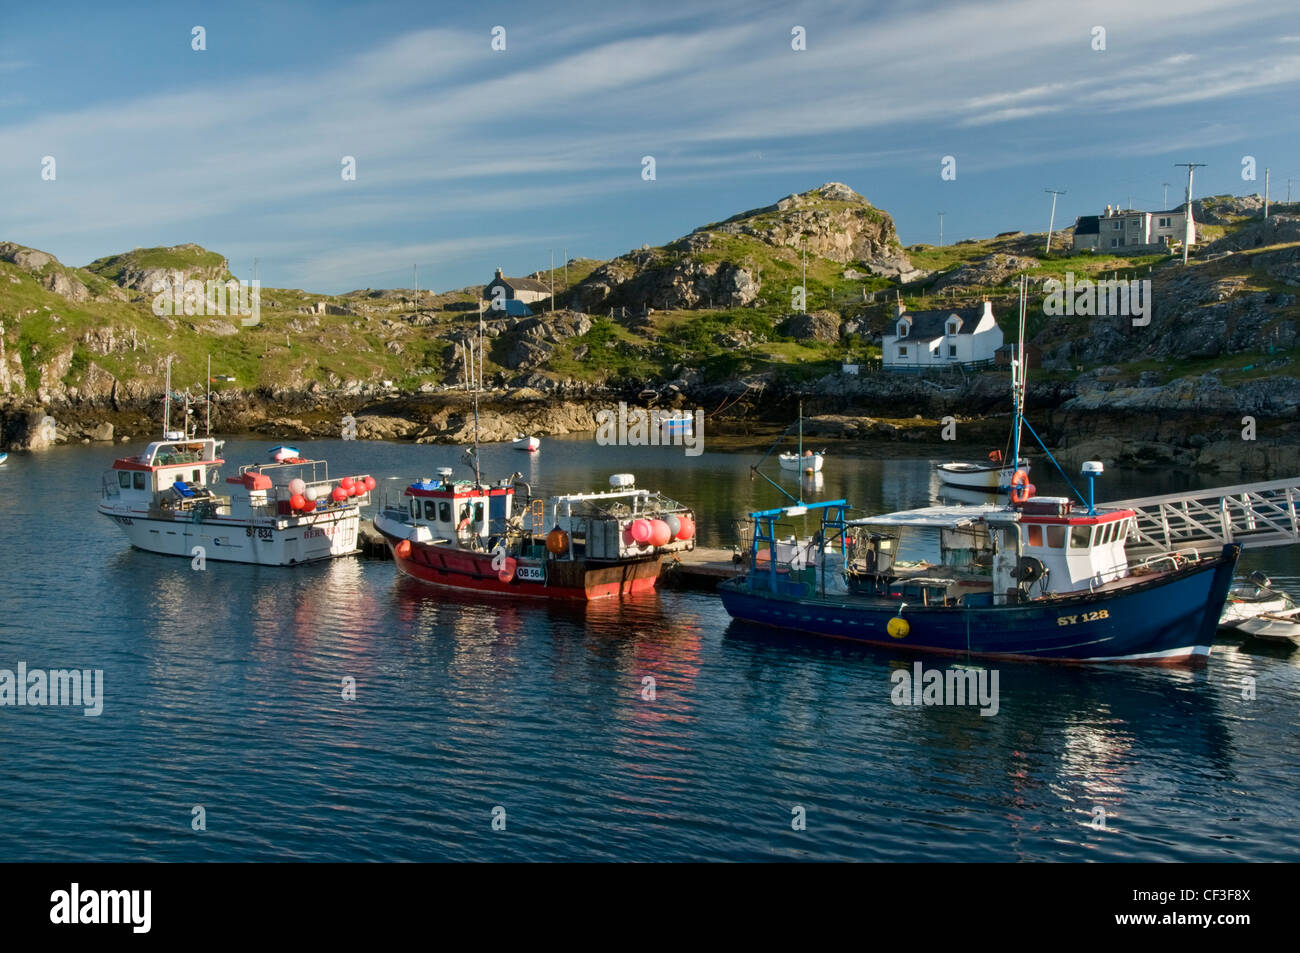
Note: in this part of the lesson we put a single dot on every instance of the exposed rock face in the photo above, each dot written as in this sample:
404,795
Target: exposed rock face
990,271
28,259
647,279
1219,209
47,270
813,326
192,263
531,340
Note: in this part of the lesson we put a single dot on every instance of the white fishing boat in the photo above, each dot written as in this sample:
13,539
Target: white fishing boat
808,463
170,499
526,443
991,476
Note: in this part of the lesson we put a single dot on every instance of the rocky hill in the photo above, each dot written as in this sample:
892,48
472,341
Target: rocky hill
711,318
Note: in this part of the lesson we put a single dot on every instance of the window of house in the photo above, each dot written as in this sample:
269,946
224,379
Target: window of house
124,480
139,481
1079,536
902,329
902,352
1114,243
952,327
1117,226
1035,535
1164,223
952,350
1056,537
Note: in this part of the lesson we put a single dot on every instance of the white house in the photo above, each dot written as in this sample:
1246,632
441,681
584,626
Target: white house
937,338
1132,231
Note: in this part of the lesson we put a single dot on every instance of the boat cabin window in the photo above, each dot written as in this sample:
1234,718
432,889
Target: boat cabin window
196,477
139,481
1035,535
429,510
124,480
1079,536
444,511
1056,537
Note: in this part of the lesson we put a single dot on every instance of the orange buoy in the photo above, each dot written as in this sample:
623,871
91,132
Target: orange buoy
403,549
1020,487
688,527
297,502
557,541
640,530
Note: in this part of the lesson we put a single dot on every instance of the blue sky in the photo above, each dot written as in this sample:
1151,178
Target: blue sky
469,158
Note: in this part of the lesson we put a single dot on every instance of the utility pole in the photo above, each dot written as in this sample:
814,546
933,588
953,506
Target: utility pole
803,277
1051,222
1191,168
1164,202
1266,193
566,269
551,307
416,270
941,214
1288,191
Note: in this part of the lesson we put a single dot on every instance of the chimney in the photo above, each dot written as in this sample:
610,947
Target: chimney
499,275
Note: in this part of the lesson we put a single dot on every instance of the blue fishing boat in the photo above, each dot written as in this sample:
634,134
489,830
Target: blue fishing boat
1050,583
1036,578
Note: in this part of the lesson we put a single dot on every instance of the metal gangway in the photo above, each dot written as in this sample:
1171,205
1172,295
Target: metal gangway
1252,514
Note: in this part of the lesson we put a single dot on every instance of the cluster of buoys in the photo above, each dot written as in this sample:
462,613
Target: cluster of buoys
659,532
303,498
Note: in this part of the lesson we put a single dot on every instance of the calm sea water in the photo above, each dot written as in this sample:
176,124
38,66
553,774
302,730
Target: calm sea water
223,691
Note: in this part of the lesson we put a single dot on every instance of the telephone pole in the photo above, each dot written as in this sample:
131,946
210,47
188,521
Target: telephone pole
941,214
1051,222
1191,168
1266,193
1164,202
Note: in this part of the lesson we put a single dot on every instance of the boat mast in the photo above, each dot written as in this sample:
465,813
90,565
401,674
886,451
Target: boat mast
207,402
1018,380
798,469
167,399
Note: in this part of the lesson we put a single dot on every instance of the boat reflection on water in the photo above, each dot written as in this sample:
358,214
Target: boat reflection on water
1066,741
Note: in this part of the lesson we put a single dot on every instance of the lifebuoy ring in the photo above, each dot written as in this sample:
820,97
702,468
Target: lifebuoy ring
1020,488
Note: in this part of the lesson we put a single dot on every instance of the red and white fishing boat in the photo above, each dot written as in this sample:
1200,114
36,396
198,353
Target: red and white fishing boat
170,499
465,534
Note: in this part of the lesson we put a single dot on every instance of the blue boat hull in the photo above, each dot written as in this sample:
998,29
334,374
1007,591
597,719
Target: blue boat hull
1171,617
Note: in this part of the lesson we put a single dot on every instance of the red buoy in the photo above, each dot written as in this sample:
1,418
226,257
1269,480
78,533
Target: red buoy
403,549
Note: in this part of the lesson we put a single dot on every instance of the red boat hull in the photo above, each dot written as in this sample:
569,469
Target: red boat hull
442,565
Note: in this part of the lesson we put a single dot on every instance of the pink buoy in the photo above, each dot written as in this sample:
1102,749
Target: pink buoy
339,494
641,531
688,527
297,502
660,534
370,483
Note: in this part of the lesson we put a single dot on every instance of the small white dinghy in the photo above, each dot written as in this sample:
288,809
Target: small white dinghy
528,444
1272,628
809,463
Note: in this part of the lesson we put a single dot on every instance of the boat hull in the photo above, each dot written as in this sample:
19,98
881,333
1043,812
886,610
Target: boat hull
796,463
978,477
450,567
239,541
1168,618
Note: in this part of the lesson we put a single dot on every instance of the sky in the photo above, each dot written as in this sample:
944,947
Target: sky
469,158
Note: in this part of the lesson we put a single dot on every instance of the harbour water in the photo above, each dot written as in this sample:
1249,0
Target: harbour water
223,690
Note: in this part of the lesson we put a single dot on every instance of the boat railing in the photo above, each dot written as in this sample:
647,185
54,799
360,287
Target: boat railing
1176,559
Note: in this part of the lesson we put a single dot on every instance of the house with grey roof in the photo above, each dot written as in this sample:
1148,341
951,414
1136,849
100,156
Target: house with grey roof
1132,231
523,290
925,339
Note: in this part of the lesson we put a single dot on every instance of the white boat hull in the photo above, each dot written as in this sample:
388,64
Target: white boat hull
264,542
1272,629
528,444
977,477
794,462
